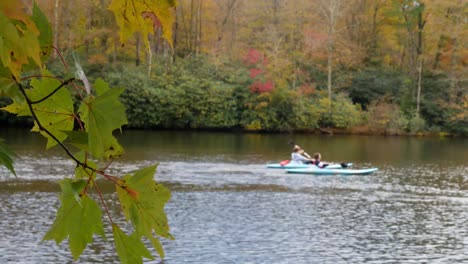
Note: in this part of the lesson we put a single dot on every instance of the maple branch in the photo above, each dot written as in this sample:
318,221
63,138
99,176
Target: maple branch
54,91
67,151
42,128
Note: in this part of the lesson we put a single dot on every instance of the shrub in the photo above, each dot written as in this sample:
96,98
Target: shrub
373,83
417,124
386,117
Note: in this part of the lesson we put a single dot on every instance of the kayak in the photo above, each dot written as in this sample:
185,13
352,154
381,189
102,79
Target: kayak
330,171
303,166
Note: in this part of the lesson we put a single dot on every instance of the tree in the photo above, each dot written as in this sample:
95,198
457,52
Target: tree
25,43
330,10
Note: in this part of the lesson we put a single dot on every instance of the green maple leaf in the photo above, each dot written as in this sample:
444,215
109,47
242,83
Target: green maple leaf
102,115
78,139
6,157
46,36
129,17
82,172
56,114
6,85
143,201
129,248
78,218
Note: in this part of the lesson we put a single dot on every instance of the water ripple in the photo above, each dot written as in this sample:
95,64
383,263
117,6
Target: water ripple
236,212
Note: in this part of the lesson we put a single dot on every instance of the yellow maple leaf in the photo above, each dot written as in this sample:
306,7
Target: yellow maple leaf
130,17
17,27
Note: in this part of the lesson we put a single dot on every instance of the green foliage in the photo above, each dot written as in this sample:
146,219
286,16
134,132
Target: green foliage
6,157
49,101
78,218
191,96
102,114
56,113
416,124
305,114
129,248
373,83
345,113
143,202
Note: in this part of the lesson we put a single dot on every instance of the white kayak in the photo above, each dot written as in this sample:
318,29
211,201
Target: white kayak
292,165
330,171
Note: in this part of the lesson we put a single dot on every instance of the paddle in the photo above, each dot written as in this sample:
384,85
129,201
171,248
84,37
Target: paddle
304,153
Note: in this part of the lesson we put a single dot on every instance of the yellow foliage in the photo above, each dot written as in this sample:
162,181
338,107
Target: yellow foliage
129,17
17,27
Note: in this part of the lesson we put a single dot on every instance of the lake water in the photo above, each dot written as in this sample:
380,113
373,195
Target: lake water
227,207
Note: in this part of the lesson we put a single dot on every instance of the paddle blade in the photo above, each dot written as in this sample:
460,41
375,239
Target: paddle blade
284,162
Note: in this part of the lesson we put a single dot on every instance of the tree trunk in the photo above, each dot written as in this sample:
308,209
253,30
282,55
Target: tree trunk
418,97
199,27
56,27
137,50
174,37
150,57
421,24
458,20
191,28
440,45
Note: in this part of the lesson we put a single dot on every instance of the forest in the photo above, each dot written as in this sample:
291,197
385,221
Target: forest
357,66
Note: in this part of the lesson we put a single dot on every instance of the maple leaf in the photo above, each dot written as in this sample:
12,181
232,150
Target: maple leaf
129,248
102,115
55,114
78,218
6,157
6,85
143,202
18,27
133,16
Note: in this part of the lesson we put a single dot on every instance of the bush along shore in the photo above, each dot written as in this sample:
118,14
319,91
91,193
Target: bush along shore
197,95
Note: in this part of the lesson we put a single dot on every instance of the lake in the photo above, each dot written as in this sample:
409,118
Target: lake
227,207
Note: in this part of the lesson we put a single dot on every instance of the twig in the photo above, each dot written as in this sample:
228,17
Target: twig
53,92
47,131
102,200
61,57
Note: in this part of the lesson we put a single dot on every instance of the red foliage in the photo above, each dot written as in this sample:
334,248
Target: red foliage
253,56
259,87
258,63
254,72
153,17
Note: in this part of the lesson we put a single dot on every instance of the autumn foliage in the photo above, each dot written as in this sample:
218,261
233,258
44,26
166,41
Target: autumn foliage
257,64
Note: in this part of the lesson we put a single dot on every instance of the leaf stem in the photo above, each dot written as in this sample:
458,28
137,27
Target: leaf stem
61,57
102,200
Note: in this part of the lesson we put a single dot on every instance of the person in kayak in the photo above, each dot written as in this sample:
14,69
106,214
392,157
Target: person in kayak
317,161
300,156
